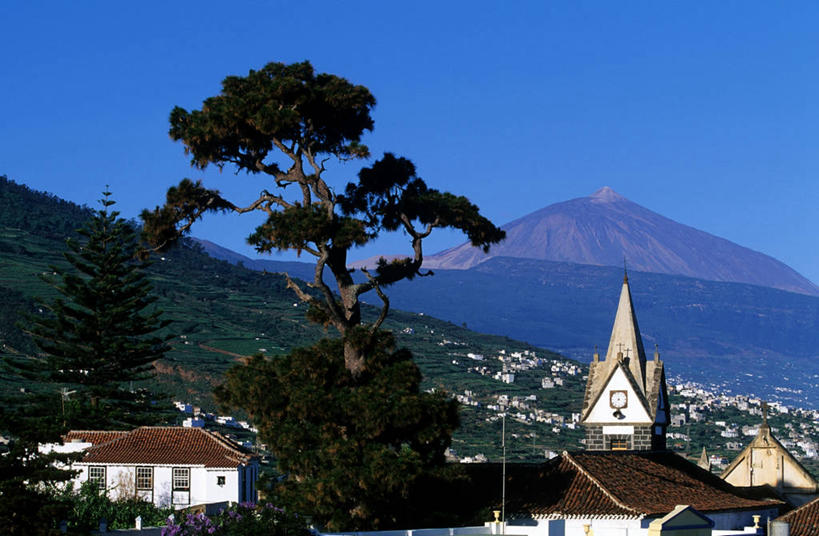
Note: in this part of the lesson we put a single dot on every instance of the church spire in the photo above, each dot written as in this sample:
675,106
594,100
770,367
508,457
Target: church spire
704,461
625,337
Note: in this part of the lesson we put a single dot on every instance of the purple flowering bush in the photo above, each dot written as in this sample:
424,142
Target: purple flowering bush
244,519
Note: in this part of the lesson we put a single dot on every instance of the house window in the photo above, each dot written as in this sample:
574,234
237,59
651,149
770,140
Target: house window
619,444
97,474
181,479
144,478
220,481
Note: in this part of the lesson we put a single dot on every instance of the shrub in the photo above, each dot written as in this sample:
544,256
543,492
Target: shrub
90,505
245,519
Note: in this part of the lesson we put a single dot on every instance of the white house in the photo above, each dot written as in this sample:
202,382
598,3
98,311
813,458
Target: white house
166,465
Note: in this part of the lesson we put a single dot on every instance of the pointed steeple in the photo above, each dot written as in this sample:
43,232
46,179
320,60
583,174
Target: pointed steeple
626,339
704,461
625,380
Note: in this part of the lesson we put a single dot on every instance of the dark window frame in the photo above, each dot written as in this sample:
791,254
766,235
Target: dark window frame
140,478
100,479
619,444
186,472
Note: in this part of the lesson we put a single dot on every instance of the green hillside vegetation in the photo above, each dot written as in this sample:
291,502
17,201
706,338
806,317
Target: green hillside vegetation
222,313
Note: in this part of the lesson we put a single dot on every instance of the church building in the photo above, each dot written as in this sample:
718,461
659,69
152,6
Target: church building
626,402
625,482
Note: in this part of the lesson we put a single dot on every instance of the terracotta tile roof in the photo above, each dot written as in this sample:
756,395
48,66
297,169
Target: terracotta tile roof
95,437
804,521
557,488
630,484
168,445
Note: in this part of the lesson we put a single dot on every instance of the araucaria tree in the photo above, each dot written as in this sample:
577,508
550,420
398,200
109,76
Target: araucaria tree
102,333
286,122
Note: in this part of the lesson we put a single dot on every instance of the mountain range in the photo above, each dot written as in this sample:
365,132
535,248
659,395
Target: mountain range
606,229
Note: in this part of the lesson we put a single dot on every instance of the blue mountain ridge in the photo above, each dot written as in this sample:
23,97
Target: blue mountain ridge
746,338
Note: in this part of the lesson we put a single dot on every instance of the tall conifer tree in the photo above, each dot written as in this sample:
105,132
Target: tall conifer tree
101,334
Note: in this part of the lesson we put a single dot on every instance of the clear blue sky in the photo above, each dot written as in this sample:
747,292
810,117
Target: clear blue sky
706,112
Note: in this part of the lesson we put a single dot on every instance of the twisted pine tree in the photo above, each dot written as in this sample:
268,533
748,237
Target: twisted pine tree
286,122
345,418
101,335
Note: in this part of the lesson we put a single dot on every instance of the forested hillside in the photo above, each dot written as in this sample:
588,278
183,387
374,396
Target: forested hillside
222,313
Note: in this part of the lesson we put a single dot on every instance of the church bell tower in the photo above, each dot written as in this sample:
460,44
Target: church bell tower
626,402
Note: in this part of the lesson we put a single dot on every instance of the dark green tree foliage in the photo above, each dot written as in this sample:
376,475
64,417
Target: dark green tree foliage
345,418
14,304
39,212
356,448
28,498
100,336
286,122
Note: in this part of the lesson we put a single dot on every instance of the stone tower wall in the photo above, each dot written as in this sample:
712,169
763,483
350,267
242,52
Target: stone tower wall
642,438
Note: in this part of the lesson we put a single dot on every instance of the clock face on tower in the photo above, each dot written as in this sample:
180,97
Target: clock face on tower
618,399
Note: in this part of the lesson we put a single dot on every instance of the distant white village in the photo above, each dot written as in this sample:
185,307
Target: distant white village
699,404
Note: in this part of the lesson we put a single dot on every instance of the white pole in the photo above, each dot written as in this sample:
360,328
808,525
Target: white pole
503,485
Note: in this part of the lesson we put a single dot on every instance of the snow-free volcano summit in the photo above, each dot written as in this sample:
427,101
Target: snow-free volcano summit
605,228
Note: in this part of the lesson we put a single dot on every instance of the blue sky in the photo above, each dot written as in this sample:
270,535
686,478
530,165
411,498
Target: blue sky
704,112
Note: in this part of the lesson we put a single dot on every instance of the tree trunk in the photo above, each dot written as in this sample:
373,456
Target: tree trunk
353,359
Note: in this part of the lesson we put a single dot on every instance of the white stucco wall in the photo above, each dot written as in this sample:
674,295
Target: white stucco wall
204,487
213,491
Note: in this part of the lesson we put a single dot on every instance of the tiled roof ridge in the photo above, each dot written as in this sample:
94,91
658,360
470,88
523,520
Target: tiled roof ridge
235,453
118,434
221,447
125,434
568,457
225,441
97,432
798,511
556,515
